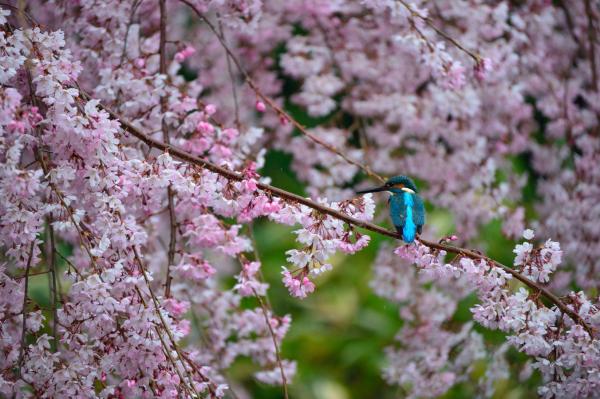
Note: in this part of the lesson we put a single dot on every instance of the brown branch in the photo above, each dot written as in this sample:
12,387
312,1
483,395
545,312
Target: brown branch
163,109
32,274
277,192
168,330
166,348
592,39
39,155
266,308
51,259
134,7
455,43
271,103
277,352
24,310
69,263
531,284
209,346
231,77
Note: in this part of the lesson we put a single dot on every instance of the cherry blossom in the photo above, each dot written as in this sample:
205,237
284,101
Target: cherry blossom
486,104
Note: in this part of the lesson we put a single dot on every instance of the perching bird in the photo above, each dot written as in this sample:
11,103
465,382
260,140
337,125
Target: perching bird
406,207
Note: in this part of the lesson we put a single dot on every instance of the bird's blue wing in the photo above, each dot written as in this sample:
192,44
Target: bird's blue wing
398,211
419,212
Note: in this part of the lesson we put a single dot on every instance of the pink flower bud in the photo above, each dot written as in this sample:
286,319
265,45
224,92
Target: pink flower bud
260,106
179,57
188,51
205,127
230,134
250,185
483,68
210,109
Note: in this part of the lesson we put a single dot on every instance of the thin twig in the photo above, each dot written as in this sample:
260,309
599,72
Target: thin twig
275,344
210,346
427,20
51,259
163,109
593,39
21,10
591,30
39,155
24,310
166,348
69,263
32,274
82,234
266,308
168,330
134,7
231,78
271,103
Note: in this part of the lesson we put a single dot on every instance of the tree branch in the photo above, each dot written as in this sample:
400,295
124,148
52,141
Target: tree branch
163,109
277,192
231,77
591,30
24,310
274,338
427,20
266,308
271,103
179,352
51,259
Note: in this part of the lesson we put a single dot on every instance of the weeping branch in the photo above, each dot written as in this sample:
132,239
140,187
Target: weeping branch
52,277
24,311
271,103
427,20
163,109
293,198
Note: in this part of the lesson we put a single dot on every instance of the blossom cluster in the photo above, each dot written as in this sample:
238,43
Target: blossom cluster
485,103
70,172
564,349
321,236
427,358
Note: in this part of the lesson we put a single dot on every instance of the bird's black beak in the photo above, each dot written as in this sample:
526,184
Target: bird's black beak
372,190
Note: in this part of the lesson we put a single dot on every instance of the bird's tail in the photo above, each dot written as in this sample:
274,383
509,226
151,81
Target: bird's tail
409,231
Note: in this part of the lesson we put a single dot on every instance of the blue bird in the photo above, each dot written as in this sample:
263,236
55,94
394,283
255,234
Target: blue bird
406,207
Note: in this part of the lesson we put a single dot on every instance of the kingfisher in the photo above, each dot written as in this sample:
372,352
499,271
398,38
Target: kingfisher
406,207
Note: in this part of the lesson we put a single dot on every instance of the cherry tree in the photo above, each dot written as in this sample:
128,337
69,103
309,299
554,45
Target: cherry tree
133,134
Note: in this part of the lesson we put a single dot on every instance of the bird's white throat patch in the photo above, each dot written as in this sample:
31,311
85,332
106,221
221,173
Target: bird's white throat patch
408,190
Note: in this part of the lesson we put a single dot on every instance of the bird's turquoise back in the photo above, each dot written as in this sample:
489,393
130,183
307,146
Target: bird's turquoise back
408,214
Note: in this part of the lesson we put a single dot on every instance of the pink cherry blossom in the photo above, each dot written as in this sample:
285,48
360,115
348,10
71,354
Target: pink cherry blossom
493,108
